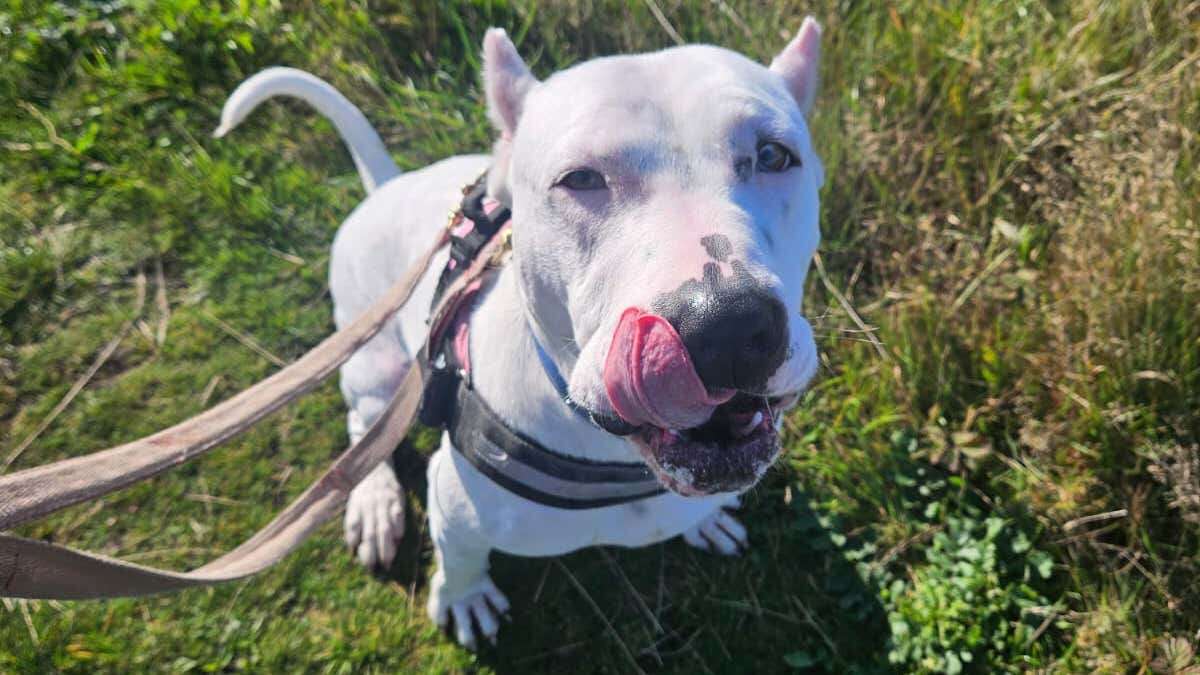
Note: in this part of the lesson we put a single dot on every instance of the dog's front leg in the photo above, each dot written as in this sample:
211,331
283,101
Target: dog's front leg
460,590
374,519
375,510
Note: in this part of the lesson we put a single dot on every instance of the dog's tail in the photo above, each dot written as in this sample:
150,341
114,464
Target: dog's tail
375,166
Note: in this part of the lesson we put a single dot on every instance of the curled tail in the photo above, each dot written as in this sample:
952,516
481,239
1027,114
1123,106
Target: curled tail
375,166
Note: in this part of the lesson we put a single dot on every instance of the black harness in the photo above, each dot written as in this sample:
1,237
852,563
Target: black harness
514,461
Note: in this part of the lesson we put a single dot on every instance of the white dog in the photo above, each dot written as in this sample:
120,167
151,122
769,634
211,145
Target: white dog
664,214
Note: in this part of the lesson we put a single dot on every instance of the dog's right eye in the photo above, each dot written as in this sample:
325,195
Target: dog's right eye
775,158
583,179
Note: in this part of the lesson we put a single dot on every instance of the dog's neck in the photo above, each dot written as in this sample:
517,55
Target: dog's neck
508,374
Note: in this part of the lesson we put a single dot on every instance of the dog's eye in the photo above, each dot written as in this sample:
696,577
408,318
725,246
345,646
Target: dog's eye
774,158
583,179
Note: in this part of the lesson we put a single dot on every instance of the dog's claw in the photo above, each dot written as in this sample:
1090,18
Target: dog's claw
477,613
719,533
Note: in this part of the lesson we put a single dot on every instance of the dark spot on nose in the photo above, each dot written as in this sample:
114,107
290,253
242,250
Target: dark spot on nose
735,329
717,246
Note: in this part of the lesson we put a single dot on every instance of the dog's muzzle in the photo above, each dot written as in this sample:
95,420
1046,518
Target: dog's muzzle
698,436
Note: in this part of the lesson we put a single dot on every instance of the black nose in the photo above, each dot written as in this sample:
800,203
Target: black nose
735,330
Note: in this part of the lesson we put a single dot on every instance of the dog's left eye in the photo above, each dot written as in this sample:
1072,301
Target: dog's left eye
583,179
775,158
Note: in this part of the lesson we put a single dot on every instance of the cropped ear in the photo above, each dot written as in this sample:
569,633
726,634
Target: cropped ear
506,81
797,63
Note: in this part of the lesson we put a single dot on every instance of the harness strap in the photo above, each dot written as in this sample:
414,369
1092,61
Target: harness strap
476,224
477,220
510,459
526,468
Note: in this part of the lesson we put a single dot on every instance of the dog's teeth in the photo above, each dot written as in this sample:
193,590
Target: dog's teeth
753,424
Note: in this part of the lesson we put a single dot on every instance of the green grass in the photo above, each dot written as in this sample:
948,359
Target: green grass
1011,208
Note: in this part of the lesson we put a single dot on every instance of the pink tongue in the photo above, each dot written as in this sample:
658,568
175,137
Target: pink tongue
650,378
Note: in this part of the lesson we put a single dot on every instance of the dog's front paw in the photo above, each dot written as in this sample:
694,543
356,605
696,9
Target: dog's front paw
478,608
375,517
719,532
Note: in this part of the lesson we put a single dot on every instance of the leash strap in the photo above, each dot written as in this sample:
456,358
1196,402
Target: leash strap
40,491
35,569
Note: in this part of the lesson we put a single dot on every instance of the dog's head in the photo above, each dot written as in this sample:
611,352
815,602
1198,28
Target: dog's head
665,215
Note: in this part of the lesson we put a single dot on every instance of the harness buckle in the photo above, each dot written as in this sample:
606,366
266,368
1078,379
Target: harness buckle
504,251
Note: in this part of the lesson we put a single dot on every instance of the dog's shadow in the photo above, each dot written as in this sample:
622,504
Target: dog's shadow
793,603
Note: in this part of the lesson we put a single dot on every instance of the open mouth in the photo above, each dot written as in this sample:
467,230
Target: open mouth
697,440
727,453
